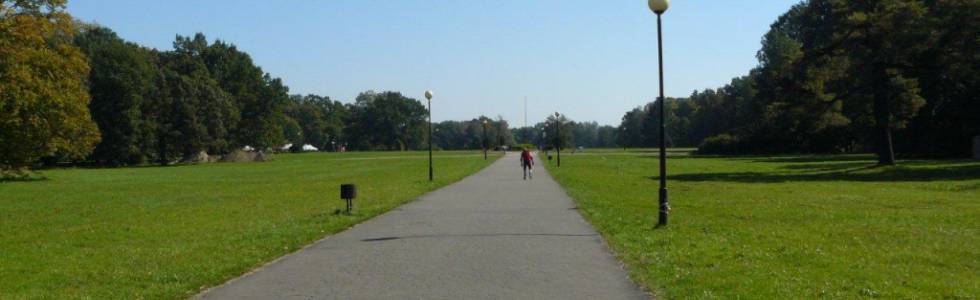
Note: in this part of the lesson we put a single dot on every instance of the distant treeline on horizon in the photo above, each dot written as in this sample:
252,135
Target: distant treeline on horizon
834,76
89,96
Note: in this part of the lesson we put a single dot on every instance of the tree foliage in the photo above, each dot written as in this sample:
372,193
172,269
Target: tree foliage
259,98
43,97
890,76
321,121
121,79
842,76
193,114
387,121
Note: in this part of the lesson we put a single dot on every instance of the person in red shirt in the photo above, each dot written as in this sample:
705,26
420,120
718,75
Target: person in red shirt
527,162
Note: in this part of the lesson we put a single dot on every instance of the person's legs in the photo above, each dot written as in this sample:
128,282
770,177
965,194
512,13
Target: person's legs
525,170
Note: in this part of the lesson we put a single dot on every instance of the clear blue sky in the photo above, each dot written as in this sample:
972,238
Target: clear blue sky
592,60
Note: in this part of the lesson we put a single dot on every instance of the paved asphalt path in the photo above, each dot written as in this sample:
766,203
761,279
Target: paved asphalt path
489,236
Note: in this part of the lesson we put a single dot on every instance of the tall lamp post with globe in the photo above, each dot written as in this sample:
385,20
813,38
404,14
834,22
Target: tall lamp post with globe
659,7
428,98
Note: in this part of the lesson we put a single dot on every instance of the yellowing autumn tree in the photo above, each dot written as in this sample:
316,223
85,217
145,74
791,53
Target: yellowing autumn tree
43,95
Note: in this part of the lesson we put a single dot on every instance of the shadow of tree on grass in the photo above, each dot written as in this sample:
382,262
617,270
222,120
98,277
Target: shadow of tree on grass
830,167
866,174
865,158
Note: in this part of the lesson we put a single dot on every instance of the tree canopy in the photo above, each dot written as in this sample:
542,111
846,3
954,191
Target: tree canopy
842,76
44,99
896,77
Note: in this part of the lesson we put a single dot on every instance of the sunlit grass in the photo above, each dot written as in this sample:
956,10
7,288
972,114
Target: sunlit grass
788,227
167,232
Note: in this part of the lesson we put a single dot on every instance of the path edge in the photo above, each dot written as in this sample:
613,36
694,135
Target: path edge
201,292
602,237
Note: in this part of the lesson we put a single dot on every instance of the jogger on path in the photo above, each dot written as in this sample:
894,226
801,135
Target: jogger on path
527,162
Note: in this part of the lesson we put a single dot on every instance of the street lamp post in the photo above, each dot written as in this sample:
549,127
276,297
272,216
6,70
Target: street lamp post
558,137
544,140
544,133
500,137
623,133
659,7
485,139
428,98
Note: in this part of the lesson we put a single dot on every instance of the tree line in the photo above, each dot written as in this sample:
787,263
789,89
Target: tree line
561,131
76,92
834,76
837,76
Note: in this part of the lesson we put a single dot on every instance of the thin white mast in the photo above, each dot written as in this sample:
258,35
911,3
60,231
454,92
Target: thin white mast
525,111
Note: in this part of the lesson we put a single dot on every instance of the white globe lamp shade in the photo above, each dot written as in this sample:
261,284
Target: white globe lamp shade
428,95
658,6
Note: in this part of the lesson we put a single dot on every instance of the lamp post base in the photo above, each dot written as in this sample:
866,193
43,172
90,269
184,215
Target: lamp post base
664,208
559,158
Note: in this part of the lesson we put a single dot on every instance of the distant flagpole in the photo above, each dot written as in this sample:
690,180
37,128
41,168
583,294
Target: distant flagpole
526,139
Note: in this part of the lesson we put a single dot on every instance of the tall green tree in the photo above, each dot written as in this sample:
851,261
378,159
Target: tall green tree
193,114
844,76
585,134
387,121
122,76
834,64
559,131
948,73
320,119
43,99
606,137
502,134
631,128
881,41
260,98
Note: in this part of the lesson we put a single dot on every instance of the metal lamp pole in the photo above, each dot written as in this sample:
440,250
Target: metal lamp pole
659,7
558,137
485,140
623,132
428,97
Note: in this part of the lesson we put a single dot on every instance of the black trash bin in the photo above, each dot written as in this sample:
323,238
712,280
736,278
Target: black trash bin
348,192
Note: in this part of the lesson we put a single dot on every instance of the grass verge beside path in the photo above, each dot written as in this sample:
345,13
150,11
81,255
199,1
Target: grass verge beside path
168,232
787,227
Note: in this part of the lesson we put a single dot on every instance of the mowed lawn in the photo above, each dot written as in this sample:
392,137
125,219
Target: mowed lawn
786,227
168,232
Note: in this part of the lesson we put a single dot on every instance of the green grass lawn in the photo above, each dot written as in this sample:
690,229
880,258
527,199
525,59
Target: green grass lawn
786,227
168,232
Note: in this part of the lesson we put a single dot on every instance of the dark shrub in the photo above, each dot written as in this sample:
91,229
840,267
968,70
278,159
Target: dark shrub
720,144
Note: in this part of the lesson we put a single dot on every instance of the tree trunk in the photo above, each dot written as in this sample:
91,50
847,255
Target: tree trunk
883,116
